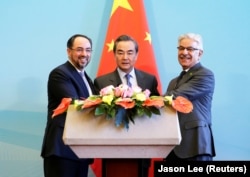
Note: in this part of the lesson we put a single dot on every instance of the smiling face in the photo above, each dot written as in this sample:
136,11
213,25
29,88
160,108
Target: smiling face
125,55
188,53
80,52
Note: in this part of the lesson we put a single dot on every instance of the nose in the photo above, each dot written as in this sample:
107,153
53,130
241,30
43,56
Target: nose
85,53
125,55
185,51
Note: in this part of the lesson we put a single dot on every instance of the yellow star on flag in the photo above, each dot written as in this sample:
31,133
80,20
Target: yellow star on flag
148,37
110,45
120,3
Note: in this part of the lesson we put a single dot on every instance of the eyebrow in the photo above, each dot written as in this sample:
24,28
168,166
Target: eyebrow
120,50
83,48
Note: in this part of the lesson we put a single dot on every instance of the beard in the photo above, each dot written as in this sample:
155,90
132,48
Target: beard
83,62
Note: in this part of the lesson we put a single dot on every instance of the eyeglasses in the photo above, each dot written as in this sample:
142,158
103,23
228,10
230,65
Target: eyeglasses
80,50
189,49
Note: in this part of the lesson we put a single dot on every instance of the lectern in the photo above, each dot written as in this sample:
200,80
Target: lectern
96,137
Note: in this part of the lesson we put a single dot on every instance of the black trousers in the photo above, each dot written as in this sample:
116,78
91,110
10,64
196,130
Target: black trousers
60,167
144,167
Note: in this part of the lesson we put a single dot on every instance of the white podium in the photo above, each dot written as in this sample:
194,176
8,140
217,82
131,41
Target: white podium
97,137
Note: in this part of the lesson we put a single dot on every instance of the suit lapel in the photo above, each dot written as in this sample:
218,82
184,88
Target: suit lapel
140,79
79,80
91,84
74,72
189,74
115,79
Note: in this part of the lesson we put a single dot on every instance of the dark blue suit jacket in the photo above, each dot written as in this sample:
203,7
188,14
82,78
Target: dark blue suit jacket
64,81
198,86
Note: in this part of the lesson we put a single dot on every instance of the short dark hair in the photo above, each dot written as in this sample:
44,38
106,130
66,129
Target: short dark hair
125,38
72,39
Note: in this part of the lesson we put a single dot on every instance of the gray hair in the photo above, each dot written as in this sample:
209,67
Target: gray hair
193,36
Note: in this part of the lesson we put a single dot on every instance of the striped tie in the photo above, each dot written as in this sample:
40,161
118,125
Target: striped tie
128,80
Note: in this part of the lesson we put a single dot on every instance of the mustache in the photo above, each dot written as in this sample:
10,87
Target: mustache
84,57
183,56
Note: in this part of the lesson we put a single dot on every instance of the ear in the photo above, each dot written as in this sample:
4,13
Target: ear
200,53
68,51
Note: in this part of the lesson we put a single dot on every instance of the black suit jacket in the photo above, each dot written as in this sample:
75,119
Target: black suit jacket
144,80
64,81
198,86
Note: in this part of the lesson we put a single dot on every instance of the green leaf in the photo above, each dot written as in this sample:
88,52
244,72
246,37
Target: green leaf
100,110
131,115
155,110
147,112
112,112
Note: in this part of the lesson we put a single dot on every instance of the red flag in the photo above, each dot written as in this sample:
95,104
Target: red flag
128,17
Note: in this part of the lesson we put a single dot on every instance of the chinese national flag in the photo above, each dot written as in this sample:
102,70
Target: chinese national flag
128,17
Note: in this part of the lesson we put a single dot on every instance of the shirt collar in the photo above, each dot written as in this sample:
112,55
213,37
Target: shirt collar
122,73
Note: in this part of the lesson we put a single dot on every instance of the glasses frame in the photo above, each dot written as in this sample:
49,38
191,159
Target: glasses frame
81,50
189,49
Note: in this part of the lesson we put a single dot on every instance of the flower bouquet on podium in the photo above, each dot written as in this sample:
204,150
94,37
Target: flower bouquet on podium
124,103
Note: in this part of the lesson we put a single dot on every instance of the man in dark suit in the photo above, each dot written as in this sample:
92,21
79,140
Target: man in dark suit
67,80
125,51
197,84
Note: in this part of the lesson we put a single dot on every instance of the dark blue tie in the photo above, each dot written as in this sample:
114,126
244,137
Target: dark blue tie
180,77
85,88
128,80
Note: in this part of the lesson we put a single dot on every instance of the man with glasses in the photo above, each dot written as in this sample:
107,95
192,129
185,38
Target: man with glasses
196,83
67,80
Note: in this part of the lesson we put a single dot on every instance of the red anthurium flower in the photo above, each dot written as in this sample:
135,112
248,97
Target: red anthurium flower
127,103
182,104
157,102
63,106
91,102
